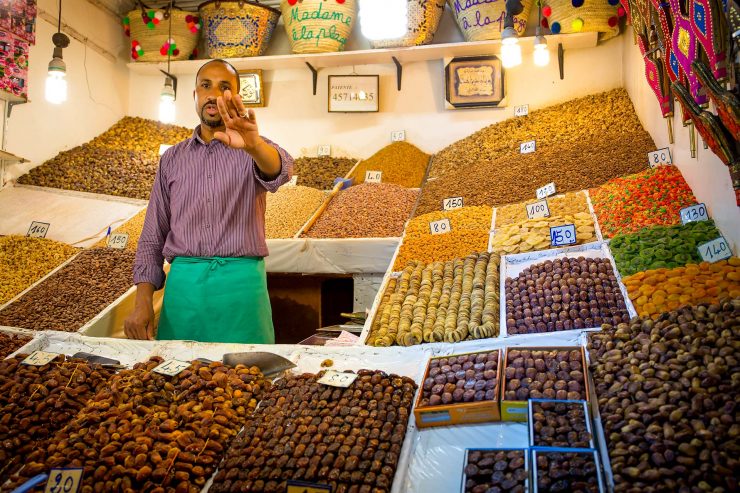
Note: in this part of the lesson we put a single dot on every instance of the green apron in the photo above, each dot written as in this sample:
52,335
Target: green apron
217,299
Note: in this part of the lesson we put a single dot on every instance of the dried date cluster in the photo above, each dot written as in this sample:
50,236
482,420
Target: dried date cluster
495,471
564,294
668,397
560,424
348,438
152,432
567,472
11,342
36,401
464,378
541,373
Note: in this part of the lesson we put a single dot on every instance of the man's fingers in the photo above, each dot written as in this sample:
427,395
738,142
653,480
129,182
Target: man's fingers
223,111
223,137
150,330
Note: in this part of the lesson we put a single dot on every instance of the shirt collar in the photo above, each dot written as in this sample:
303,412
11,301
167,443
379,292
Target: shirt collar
196,137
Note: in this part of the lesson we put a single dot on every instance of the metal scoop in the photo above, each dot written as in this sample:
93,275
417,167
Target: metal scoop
269,363
99,360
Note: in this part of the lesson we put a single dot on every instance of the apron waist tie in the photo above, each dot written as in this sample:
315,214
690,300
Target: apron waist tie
213,265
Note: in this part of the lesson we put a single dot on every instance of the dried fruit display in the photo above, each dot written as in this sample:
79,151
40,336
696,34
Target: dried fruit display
563,294
36,401
463,378
400,163
668,395
544,373
653,197
574,472
567,204
289,208
496,471
74,294
661,247
560,424
580,144
150,432
141,135
132,228
347,438
23,261
444,301
368,210
658,291
11,342
534,234
320,172
469,232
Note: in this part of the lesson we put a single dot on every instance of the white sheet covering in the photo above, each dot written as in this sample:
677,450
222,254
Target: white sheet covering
330,256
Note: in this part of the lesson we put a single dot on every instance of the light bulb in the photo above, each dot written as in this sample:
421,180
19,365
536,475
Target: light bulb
511,52
167,103
541,53
383,19
56,87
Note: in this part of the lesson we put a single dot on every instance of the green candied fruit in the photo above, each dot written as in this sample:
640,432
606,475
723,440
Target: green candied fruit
658,265
676,243
617,242
647,253
662,254
682,258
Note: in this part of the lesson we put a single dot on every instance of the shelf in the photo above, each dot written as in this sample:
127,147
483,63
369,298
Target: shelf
12,98
12,158
370,57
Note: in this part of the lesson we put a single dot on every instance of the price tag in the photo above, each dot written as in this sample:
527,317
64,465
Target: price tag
527,147
163,147
324,150
546,191
38,230
171,367
563,235
373,176
452,203
715,250
440,227
398,136
522,110
293,181
661,156
694,213
39,358
64,480
537,210
118,240
304,487
337,379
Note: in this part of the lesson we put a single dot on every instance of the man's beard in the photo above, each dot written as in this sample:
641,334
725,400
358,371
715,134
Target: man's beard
219,122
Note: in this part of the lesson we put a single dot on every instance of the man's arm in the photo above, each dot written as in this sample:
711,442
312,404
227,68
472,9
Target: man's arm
267,159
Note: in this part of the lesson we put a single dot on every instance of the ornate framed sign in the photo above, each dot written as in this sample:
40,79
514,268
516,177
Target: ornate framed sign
473,82
353,93
251,88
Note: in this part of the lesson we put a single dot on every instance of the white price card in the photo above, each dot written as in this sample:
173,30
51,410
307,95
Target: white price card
527,147
452,203
171,367
373,176
64,480
715,250
293,181
163,147
324,150
440,227
659,157
118,240
546,191
694,213
521,110
39,358
563,235
337,379
38,229
537,210
398,135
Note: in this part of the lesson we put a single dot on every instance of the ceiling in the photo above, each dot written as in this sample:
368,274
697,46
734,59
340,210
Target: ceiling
123,6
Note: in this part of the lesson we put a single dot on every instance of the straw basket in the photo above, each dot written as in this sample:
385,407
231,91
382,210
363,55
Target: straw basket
424,16
481,20
318,26
237,28
150,34
573,16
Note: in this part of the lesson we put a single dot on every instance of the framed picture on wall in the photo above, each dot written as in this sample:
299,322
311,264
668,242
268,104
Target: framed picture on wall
252,89
353,93
474,82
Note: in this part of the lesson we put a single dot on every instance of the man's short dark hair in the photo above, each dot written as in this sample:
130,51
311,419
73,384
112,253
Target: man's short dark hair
219,60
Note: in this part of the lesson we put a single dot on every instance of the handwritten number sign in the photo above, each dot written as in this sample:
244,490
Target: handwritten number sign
64,480
337,379
660,157
537,210
563,235
398,136
38,229
527,147
715,250
293,180
373,176
546,191
694,213
171,367
118,241
324,150
39,358
440,227
452,203
522,110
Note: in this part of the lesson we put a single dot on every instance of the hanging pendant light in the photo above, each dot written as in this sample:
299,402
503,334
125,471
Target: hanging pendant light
541,53
55,89
511,52
167,96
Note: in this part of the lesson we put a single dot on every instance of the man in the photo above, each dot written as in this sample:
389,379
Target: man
206,215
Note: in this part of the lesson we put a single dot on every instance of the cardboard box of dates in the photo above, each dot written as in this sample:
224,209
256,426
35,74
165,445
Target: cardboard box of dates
566,470
496,469
559,424
457,389
541,372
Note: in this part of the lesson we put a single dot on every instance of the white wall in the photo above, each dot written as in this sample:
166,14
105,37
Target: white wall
707,176
39,130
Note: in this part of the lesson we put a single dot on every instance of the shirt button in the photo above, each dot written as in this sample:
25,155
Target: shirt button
209,175
208,226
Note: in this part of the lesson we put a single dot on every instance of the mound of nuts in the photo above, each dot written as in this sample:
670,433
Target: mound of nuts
566,472
563,294
544,374
560,424
531,235
320,172
347,438
151,432
289,208
36,401
496,471
11,342
561,205
463,378
668,397
401,163
132,228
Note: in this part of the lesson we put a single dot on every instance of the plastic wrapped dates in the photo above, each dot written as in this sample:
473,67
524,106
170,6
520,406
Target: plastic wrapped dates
463,378
496,471
566,472
544,374
560,424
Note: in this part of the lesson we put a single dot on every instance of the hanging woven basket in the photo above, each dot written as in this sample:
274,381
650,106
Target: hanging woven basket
575,16
151,40
423,21
481,21
237,28
318,26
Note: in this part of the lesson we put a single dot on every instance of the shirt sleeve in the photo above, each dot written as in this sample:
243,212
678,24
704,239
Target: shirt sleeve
286,169
149,256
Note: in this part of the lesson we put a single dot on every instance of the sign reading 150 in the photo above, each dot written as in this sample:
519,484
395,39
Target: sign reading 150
353,96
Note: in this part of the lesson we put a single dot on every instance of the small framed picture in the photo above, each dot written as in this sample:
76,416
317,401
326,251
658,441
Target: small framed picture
473,82
251,89
353,93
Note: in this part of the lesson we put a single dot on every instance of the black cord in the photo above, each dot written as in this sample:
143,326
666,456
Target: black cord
169,38
59,26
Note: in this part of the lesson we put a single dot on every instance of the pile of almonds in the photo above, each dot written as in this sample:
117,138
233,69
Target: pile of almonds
320,172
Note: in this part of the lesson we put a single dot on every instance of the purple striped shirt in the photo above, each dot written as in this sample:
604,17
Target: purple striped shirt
208,200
